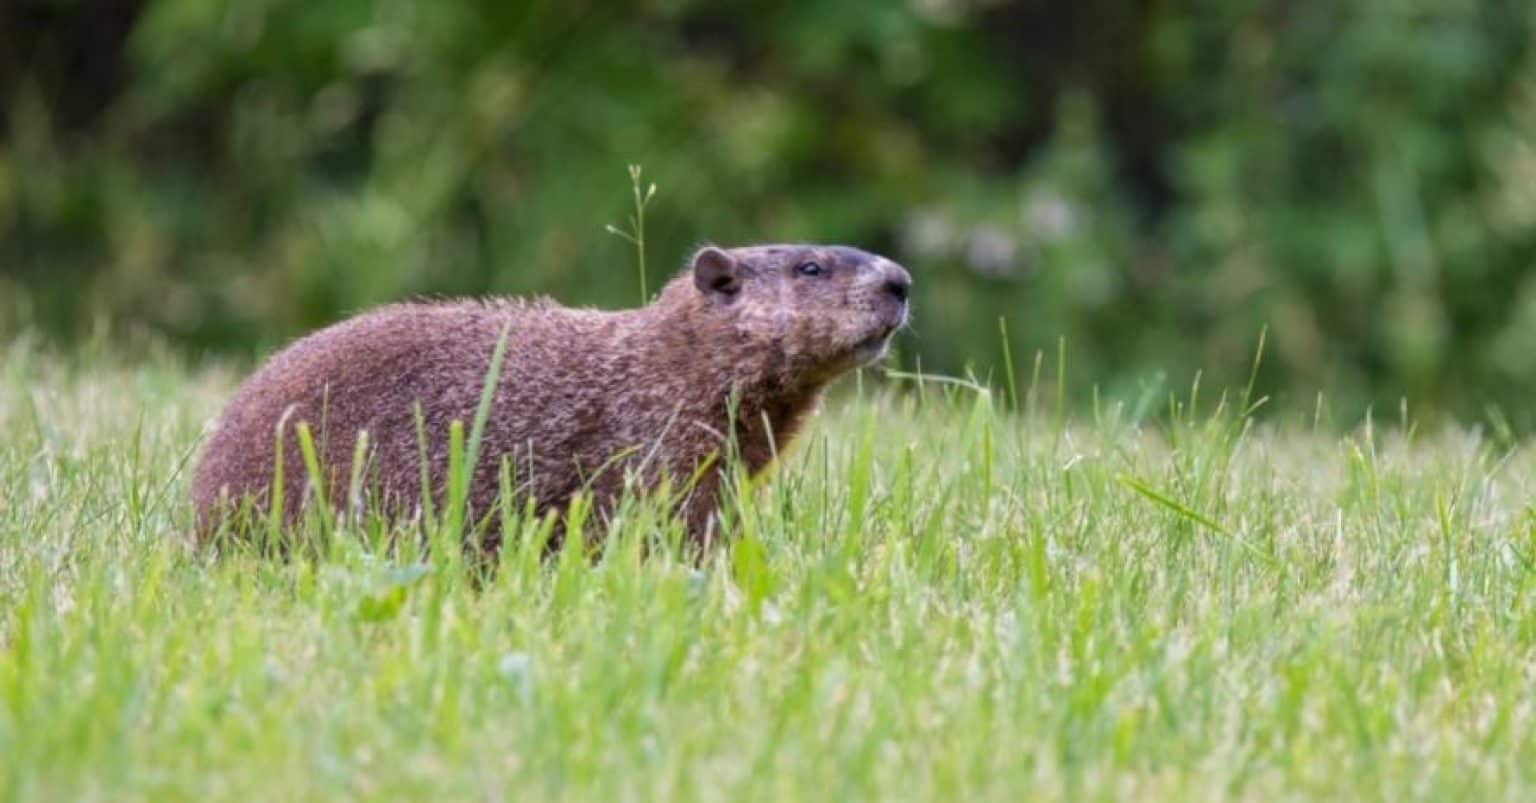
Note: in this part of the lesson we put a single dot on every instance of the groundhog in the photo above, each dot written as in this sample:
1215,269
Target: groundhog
736,349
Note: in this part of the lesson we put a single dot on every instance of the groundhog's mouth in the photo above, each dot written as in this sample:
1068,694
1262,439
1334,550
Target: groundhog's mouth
875,346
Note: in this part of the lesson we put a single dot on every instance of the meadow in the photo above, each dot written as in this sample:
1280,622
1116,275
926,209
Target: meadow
942,593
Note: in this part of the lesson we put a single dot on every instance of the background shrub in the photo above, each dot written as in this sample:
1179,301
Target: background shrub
1153,182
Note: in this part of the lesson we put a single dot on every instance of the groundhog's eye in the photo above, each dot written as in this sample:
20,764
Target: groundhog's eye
809,269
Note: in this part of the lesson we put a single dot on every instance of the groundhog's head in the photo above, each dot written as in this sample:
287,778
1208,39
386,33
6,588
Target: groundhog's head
827,309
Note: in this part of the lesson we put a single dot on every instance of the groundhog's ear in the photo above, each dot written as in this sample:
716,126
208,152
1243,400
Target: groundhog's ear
716,274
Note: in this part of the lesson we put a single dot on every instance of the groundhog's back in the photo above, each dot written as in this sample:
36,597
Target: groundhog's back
369,374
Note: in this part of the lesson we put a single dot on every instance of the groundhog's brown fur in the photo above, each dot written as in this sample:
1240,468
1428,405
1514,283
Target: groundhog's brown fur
580,387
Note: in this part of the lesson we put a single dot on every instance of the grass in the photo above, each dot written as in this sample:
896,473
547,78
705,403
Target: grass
934,599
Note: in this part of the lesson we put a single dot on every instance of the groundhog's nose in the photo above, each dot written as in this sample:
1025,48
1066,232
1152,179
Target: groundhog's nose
897,281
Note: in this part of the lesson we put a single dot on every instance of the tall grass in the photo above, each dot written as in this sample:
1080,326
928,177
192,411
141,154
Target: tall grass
933,598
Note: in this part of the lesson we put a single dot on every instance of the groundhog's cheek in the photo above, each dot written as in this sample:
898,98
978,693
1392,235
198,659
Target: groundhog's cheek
809,336
862,318
758,318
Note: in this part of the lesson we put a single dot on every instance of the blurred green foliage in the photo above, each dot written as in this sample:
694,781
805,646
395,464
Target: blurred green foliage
1155,182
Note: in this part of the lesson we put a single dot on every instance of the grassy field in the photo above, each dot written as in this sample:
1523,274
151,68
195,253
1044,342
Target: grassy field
934,599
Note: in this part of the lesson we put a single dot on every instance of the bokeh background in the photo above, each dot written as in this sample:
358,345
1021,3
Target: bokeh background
1155,182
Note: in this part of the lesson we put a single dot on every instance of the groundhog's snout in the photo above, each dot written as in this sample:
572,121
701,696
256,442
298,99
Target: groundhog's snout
897,281
896,285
